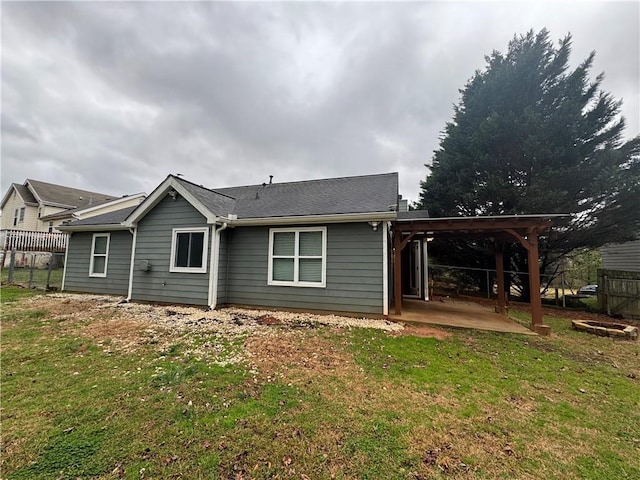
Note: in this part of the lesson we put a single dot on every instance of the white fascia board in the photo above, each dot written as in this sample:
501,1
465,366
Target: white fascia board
92,228
314,219
108,204
60,205
158,194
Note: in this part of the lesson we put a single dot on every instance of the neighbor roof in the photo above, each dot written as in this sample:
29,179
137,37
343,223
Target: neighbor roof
72,211
328,196
24,192
111,218
68,197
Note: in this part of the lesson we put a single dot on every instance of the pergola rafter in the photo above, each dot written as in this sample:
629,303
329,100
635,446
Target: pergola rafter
525,229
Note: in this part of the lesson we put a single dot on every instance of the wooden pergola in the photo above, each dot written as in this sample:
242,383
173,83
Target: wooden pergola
524,229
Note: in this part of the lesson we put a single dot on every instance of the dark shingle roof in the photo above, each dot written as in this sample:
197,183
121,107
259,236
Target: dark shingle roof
26,195
413,214
111,218
363,194
67,196
330,196
217,203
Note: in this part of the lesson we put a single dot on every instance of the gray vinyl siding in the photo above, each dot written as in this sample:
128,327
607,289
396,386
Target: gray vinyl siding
153,243
354,271
77,277
621,256
223,267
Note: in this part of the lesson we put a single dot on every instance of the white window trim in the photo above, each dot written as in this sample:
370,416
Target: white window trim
105,255
174,244
296,257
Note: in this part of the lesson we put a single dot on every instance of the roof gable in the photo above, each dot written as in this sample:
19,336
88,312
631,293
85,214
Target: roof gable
209,203
25,194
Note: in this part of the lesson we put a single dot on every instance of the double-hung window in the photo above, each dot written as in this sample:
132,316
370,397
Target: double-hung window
298,256
189,250
99,255
22,214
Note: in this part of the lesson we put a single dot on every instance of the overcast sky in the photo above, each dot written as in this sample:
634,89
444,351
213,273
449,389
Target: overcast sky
112,97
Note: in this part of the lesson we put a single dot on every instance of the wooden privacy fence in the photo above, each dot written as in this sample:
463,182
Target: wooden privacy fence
30,241
619,292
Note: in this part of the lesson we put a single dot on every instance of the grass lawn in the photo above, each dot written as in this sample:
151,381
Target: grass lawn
87,394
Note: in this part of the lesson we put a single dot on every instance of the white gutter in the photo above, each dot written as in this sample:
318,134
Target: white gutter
64,270
93,228
215,260
385,270
309,219
131,267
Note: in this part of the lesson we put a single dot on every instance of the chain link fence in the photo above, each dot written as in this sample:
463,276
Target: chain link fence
567,288
32,269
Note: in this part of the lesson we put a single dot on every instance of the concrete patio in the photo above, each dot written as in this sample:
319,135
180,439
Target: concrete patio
453,313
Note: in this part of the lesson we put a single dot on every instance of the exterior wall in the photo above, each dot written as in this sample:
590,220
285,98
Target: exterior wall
30,214
621,256
153,243
354,271
223,267
76,277
49,210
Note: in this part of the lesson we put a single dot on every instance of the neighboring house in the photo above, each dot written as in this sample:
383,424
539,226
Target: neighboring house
621,256
33,211
31,205
81,213
311,245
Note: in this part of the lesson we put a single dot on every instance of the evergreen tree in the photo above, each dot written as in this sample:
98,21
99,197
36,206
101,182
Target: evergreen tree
530,136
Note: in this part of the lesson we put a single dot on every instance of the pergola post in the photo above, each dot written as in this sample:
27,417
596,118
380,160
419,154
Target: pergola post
397,274
534,284
502,303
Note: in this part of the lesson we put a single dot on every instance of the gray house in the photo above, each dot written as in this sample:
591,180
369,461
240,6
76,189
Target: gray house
312,245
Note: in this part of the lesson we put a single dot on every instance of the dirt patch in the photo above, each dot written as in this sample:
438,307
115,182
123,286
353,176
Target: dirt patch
117,325
422,332
286,352
120,334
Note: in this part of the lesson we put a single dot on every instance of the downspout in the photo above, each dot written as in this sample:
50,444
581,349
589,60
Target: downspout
215,259
133,231
66,253
385,269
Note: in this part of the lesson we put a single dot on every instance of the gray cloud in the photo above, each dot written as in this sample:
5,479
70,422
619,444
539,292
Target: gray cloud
114,96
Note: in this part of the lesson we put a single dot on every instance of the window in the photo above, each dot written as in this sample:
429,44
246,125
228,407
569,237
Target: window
99,254
50,227
297,256
39,212
189,250
15,217
21,215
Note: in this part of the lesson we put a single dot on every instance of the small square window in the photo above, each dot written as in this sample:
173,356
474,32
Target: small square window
189,250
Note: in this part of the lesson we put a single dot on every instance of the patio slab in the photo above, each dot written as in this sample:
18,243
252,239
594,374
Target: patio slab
454,313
